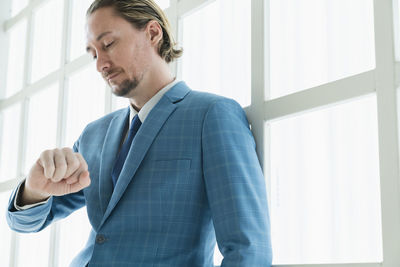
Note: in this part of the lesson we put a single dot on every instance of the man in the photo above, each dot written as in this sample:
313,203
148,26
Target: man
162,180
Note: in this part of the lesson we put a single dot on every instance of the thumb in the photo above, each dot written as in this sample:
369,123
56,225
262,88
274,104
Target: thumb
83,182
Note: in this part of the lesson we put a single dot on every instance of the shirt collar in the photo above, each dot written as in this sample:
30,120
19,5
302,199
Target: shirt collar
145,110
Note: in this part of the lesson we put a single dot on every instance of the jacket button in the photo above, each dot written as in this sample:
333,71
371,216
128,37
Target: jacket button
100,239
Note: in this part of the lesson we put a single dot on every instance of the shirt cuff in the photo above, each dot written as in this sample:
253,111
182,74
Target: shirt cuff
25,207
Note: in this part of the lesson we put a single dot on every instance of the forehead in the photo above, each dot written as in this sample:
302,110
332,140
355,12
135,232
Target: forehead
104,20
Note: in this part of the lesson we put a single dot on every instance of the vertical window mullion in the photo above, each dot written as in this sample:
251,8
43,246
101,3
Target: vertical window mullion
259,75
28,49
172,15
109,100
15,253
397,74
388,131
62,105
22,138
396,28
4,15
61,122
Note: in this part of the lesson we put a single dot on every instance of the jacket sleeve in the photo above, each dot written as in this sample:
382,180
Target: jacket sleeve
39,217
235,187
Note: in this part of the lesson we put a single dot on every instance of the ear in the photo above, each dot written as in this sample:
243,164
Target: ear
155,32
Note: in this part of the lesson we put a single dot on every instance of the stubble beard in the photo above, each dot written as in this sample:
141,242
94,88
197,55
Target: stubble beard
126,87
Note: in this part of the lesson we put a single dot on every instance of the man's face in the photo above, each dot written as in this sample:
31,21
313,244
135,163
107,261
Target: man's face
122,52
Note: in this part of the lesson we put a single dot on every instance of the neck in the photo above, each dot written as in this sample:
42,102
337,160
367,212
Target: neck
150,85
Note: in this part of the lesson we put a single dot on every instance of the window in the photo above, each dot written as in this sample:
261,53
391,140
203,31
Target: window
73,236
315,42
47,29
77,40
315,78
42,124
217,50
5,232
9,141
325,191
85,86
16,57
34,248
17,6
324,163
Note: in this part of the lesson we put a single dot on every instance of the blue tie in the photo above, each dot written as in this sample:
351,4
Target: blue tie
125,149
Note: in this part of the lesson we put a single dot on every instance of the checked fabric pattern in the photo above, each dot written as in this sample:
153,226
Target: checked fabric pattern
191,178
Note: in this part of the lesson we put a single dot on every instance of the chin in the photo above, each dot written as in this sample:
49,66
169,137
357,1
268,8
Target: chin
116,90
125,88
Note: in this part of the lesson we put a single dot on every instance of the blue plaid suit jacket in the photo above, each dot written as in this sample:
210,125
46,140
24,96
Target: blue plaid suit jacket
191,178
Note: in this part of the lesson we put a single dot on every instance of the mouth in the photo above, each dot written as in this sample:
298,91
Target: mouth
109,78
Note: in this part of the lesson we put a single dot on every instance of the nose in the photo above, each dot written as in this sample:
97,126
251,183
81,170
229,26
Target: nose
103,62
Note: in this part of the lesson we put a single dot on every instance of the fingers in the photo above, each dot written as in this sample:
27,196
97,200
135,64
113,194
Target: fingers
73,178
46,160
62,188
60,166
83,182
82,161
63,163
74,161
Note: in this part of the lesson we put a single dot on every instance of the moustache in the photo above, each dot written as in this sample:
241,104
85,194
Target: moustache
106,74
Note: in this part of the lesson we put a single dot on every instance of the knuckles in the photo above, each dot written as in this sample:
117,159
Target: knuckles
67,150
60,159
45,153
75,164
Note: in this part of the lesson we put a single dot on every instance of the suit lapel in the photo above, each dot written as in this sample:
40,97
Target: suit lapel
108,156
142,142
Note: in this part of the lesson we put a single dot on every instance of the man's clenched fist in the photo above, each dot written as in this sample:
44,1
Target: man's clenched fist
57,172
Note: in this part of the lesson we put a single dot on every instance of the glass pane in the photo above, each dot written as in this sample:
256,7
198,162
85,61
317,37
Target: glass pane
78,40
47,32
42,124
217,48
74,232
34,249
325,190
16,58
163,3
85,101
9,142
318,41
17,6
5,232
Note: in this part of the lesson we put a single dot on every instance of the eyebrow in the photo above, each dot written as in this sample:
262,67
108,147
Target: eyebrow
98,39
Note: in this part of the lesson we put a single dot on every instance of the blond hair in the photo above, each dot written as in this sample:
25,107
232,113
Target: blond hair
139,13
